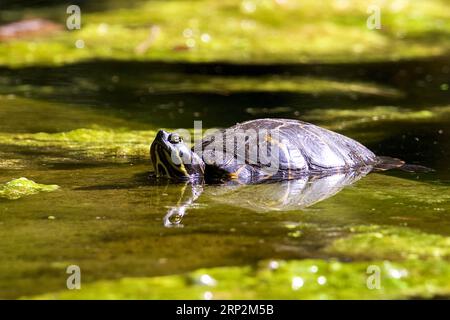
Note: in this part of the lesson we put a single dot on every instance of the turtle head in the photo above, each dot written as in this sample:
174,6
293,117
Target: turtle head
172,158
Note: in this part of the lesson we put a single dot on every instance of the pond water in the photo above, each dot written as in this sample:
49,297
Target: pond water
87,127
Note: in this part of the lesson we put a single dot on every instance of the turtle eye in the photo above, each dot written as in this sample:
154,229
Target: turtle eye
175,138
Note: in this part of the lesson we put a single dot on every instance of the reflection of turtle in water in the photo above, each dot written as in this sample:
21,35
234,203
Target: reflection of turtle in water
284,195
300,150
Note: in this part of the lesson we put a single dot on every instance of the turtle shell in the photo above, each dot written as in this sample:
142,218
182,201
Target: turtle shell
298,147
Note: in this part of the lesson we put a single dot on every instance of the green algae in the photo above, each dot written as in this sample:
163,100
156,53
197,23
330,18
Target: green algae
108,215
295,279
101,142
243,31
18,188
414,193
384,242
406,271
171,83
28,115
364,124
176,83
123,250
358,117
90,143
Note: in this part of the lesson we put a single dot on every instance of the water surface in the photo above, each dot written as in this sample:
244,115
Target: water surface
107,216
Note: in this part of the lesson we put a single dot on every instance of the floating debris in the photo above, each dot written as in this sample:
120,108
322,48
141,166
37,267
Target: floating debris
143,47
28,28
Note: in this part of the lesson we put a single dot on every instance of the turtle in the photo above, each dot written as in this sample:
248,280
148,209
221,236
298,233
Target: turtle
312,164
300,148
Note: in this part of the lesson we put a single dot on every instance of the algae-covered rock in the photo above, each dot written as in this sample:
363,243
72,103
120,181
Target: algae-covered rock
22,187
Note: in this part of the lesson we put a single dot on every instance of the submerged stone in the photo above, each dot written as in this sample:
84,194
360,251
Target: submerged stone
22,187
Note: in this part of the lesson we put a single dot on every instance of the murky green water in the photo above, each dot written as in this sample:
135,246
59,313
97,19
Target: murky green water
107,216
